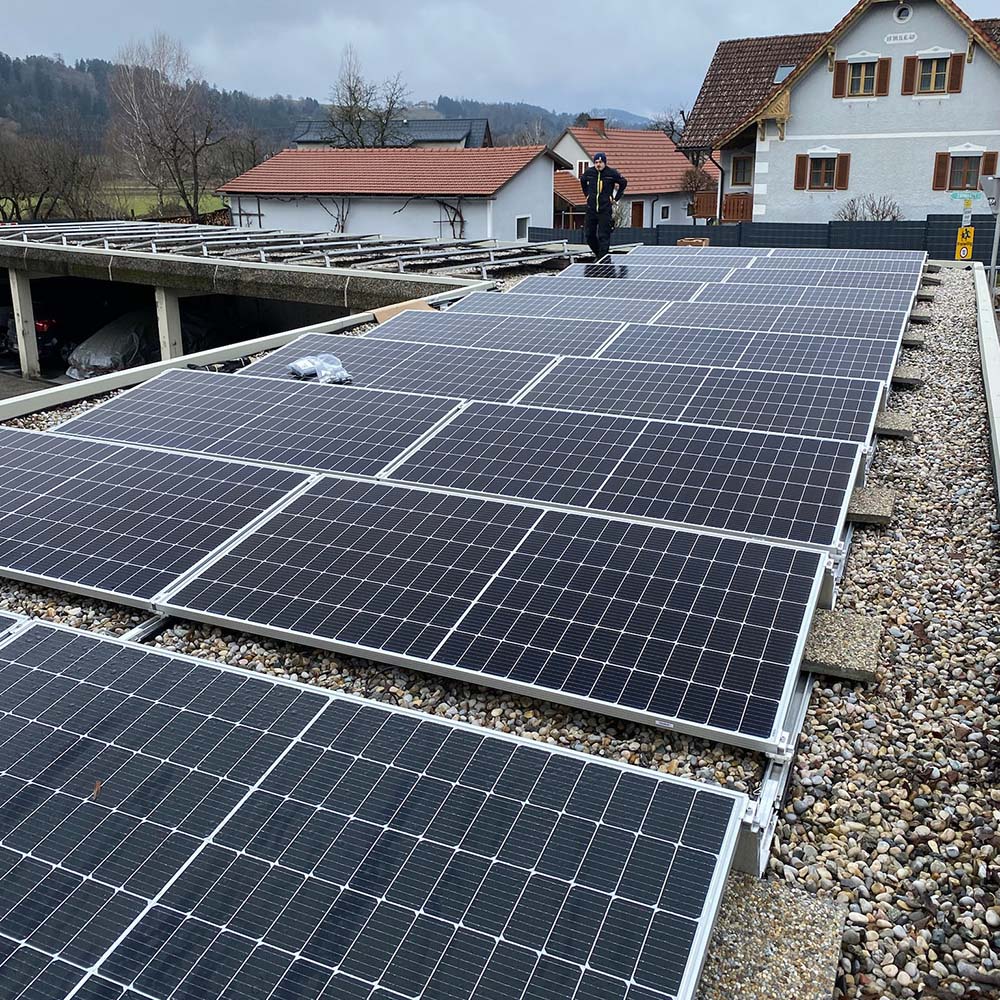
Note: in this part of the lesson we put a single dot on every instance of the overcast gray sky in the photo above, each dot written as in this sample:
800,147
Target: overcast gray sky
569,55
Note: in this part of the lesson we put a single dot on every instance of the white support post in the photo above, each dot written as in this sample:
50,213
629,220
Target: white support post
168,322
24,323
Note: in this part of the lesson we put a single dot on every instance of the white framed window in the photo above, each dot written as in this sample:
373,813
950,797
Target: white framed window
581,166
521,223
902,13
664,213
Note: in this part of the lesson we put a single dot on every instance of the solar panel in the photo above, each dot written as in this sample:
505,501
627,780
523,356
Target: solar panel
841,264
516,333
117,521
622,288
862,278
699,252
671,270
172,829
826,298
873,324
679,345
324,427
558,307
8,621
599,386
857,256
767,485
850,357
689,630
408,367
546,455
843,409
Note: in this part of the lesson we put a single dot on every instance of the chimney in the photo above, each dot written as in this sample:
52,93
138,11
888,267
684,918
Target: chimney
597,125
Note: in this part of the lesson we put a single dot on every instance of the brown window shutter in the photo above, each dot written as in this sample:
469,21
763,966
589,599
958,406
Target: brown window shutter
989,164
882,74
910,67
843,173
801,172
956,73
840,79
942,167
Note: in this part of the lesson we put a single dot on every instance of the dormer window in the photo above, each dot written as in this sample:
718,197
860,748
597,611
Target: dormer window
861,80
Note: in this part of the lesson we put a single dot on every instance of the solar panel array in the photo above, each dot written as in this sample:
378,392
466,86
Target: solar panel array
547,492
170,828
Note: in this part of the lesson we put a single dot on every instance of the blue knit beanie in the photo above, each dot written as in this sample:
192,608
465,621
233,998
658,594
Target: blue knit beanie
601,156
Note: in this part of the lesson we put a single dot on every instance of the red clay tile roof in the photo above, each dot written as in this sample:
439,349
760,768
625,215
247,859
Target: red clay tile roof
567,186
650,161
472,172
740,79
990,26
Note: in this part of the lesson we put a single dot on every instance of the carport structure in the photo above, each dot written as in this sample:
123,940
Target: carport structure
350,273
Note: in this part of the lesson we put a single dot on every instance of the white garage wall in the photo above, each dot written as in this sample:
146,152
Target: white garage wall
385,216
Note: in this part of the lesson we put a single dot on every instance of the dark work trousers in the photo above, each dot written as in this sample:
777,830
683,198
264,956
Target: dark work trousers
599,226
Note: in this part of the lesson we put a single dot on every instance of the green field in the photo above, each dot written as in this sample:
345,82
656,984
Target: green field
140,202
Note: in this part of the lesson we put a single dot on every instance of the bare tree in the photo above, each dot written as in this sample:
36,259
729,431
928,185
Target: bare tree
870,208
364,112
671,121
41,177
168,121
530,134
241,150
696,180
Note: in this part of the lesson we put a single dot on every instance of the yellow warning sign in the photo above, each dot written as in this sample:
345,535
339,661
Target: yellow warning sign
963,245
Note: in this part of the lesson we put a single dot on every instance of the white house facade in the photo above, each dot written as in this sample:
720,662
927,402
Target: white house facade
900,100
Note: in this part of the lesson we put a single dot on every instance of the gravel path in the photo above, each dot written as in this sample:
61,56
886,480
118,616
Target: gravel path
895,804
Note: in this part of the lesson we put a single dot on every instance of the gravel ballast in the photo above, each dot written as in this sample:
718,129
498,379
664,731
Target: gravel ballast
895,805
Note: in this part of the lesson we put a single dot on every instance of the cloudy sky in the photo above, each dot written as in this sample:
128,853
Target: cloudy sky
569,55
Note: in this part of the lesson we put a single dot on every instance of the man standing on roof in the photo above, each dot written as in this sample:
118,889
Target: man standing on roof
603,186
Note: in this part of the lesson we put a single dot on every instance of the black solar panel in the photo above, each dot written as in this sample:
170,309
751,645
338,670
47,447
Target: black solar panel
512,333
662,270
6,621
870,265
807,354
558,307
120,521
768,485
516,451
860,257
622,288
647,623
851,357
408,367
325,427
679,345
873,324
843,409
794,295
173,829
853,278
599,386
